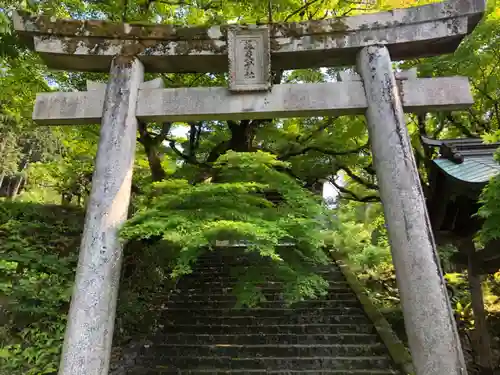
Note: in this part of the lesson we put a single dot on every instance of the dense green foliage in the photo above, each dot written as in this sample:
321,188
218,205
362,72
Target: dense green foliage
38,246
201,182
490,210
191,219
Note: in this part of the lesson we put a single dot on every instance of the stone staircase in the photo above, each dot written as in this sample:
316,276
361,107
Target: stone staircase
204,334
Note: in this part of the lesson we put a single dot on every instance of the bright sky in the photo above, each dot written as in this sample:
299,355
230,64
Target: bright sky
329,191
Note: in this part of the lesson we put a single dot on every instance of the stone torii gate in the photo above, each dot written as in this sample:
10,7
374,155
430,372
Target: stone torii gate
249,54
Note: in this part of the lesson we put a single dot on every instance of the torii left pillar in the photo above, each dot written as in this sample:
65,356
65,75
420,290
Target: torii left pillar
89,332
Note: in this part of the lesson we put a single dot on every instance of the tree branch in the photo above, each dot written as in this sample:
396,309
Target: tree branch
438,130
288,171
180,3
358,179
301,9
277,76
460,126
421,124
269,12
193,135
319,129
165,129
233,125
323,151
217,151
124,11
149,143
197,78
353,196
428,150
198,135
370,170
188,158
478,121
313,14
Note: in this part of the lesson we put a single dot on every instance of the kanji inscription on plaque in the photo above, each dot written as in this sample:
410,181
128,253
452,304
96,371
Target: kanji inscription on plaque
249,59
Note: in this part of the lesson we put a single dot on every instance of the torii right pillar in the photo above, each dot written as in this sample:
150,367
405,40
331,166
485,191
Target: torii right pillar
429,319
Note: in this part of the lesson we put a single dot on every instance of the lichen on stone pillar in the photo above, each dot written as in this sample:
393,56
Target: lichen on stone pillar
89,332
429,320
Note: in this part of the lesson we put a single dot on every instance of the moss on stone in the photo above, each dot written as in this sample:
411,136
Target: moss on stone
113,30
396,348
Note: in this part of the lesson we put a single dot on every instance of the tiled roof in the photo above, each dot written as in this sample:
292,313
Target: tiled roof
473,169
466,159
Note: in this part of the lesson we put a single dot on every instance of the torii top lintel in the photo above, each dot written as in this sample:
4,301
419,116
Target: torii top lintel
76,45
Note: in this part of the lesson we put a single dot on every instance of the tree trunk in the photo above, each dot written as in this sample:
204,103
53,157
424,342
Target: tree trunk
157,171
242,135
19,179
17,185
3,144
481,337
2,147
8,188
66,199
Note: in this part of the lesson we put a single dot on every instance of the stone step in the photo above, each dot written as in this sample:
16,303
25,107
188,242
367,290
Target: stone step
272,294
263,268
245,263
233,258
181,296
288,328
164,351
270,286
248,261
259,319
202,332
236,255
241,269
163,370
243,339
276,363
255,321
231,290
238,270
218,277
267,312
256,262
218,304
189,279
248,257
